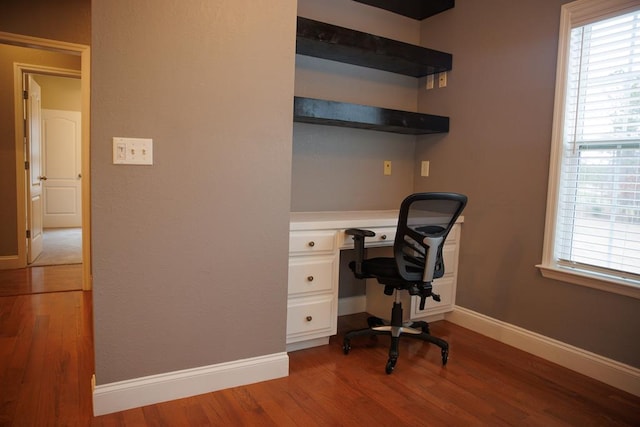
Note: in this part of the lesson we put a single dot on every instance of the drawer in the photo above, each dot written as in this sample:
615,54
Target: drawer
302,242
445,287
450,259
384,237
454,235
311,274
306,316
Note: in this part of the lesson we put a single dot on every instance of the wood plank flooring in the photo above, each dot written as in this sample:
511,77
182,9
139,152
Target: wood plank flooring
35,280
46,363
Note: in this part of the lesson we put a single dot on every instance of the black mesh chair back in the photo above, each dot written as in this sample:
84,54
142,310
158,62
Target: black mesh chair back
423,225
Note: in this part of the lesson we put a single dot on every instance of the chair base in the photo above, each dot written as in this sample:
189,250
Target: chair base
396,329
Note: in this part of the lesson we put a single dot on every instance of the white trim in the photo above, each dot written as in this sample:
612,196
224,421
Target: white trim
352,305
137,392
20,70
621,287
302,345
614,373
584,12
9,262
574,14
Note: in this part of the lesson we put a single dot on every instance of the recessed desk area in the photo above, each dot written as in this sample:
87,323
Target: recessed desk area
315,242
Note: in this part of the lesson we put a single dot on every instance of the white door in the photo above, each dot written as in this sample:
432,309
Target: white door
33,148
62,162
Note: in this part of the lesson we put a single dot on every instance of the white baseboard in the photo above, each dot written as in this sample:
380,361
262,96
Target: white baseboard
137,392
611,372
352,305
10,262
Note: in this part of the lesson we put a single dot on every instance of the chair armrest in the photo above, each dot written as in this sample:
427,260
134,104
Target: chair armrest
359,232
433,243
358,244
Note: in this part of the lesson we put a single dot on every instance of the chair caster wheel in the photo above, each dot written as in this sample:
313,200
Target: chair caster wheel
445,356
346,347
391,364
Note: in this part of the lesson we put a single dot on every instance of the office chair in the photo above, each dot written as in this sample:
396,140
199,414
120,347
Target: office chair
424,222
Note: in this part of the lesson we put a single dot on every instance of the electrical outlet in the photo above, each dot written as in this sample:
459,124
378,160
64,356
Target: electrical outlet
442,79
424,169
387,167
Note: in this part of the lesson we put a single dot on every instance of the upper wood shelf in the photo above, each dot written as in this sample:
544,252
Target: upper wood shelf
334,113
416,9
322,40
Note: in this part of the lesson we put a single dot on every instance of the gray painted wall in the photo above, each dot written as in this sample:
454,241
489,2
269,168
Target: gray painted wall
64,20
166,289
190,255
500,99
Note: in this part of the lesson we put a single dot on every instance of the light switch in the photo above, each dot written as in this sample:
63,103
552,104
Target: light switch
132,151
430,80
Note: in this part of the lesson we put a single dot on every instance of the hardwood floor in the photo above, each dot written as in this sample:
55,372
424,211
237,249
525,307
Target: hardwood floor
46,362
35,280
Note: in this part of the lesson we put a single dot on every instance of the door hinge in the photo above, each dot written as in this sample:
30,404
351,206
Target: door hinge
25,94
26,165
28,234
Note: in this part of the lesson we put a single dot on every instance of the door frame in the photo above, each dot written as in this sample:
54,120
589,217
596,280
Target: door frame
85,84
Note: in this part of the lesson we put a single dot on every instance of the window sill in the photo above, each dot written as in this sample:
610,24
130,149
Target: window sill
628,288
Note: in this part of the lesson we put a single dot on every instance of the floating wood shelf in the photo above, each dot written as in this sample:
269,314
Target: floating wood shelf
333,113
416,9
341,44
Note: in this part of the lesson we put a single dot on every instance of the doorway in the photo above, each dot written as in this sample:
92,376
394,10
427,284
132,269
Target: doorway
83,53
53,147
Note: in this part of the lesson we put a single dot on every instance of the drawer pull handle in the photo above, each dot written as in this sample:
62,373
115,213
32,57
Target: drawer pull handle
383,237
310,278
312,243
309,318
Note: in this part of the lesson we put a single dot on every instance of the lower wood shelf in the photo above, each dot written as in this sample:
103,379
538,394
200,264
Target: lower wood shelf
334,113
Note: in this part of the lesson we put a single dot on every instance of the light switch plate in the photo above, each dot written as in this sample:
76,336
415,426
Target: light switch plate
132,151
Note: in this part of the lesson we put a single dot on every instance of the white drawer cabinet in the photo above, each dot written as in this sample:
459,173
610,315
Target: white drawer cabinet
311,242
312,305
308,317
308,275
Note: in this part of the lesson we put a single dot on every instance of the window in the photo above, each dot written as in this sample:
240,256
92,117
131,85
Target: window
592,232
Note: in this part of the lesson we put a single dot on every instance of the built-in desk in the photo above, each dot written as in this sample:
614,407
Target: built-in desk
315,242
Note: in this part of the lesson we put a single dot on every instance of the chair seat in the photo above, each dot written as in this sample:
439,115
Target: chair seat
385,271
381,267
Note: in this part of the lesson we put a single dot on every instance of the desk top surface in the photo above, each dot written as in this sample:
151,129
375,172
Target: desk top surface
344,219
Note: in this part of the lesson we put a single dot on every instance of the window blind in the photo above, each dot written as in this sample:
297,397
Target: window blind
598,223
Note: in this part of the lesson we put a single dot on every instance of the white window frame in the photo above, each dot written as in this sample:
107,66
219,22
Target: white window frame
575,14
